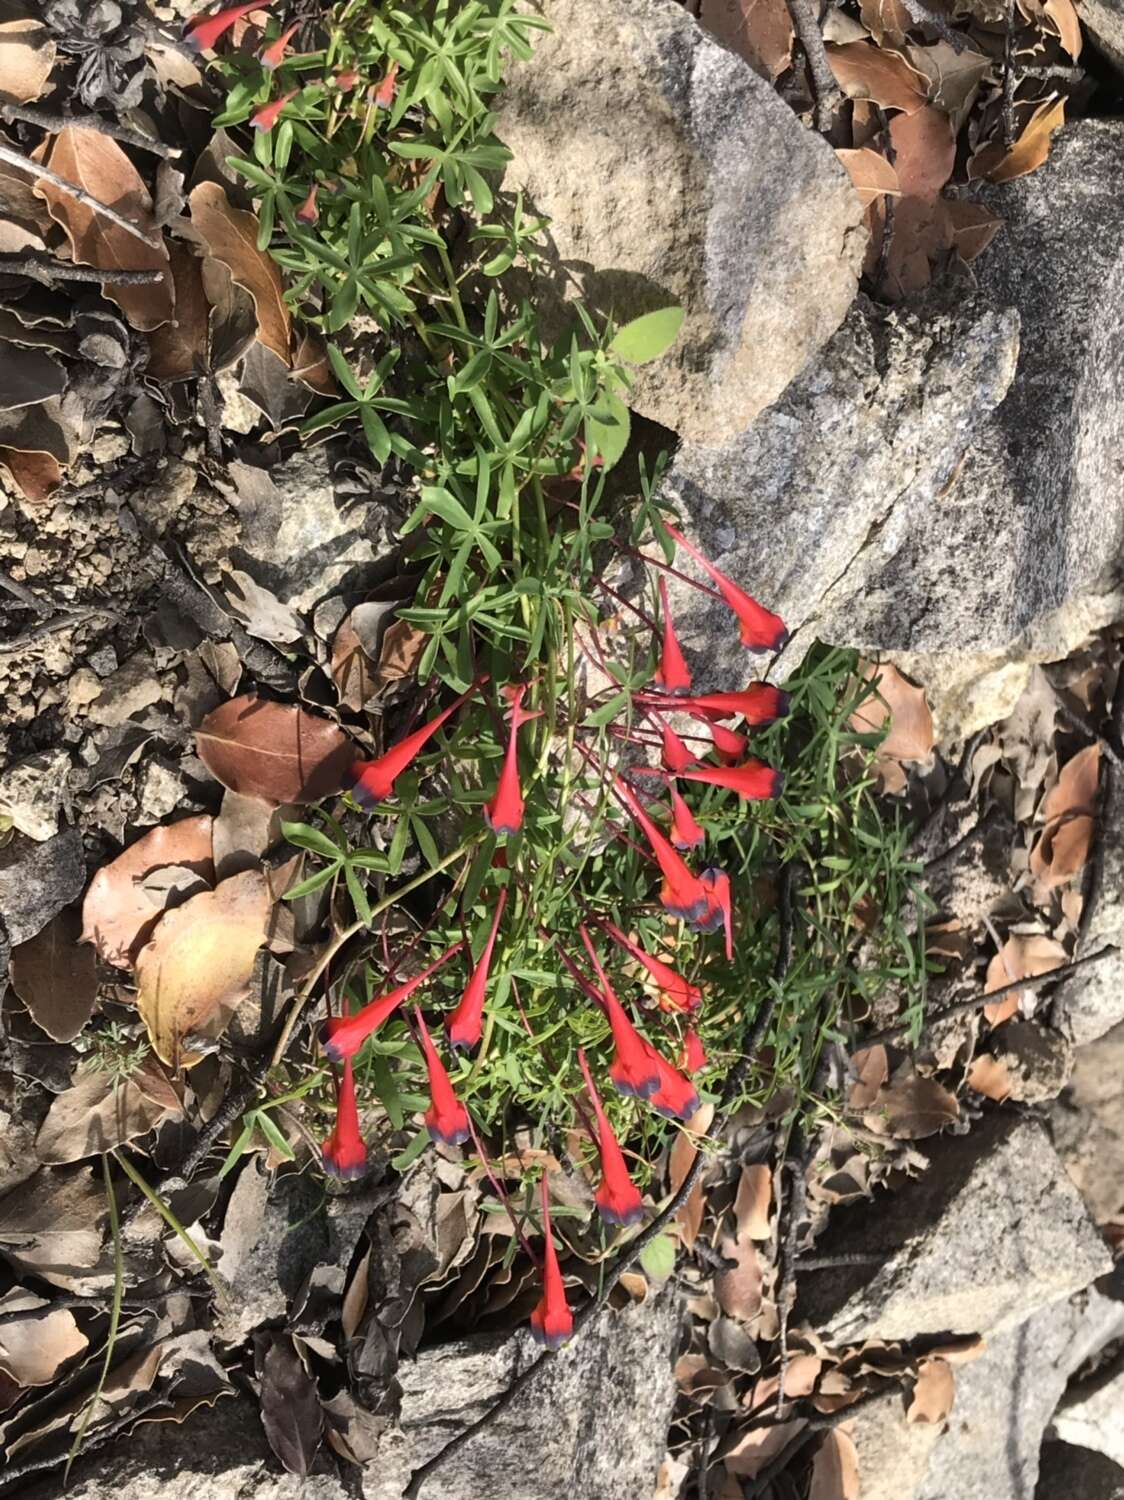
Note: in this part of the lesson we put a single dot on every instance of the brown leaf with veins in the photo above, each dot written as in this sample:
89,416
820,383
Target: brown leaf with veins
118,916
835,1469
178,349
753,1201
864,71
96,162
911,736
27,55
933,1393
55,975
229,235
872,1069
195,972
972,227
739,1290
911,1107
275,751
1067,25
1021,957
954,77
99,1112
872,176
758,30
1068,814
924,151
886,20
1029,151
680,1162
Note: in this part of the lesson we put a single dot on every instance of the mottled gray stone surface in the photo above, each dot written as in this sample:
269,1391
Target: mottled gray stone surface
672,173
1092,1002
992,1231
1091,1415
1103,21
38,880
1088,1125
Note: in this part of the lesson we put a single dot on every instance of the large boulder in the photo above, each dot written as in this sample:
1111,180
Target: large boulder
672,173
1104,22
1088,1121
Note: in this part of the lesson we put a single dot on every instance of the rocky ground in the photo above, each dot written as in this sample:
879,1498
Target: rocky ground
923,1302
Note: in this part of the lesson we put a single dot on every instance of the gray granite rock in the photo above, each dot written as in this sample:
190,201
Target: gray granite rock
32,792
1065,1470
1092,1002
1091,1415
1103,21
993,1230
1088,1126
672,173
37,881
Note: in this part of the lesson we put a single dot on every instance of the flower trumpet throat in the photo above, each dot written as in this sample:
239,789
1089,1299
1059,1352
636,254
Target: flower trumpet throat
202,32
504,813
633,1069
618,1198
673,675
552,1322
446,1119
465,1025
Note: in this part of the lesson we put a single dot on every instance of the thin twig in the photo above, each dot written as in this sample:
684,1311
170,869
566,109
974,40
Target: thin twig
24,595
786,1295
49,271
806,24
635,1248
1010,82
836,1262
16,158
65,621
54,123
923,16
966,1007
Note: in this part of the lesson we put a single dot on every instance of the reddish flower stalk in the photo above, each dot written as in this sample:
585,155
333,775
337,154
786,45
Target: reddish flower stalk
760,703
266,117
618,1198
504,813
274,55
719,910
464,1026
682,893
632,1069
384,94
374,779
674,675
686,833
202,32
755,781
308,213
761,630
342,1036
676,993
675,1098
729,745
446,1119
552,1322
676,756
344,1153
693,1056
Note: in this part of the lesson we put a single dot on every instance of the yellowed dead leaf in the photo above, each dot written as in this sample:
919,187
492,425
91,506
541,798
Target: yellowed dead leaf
933,1393
27,55
119,914
1020,957
911,736
1029,151
195,971
1066,24
229,235
753,1200
989,1076
835,1469
871,174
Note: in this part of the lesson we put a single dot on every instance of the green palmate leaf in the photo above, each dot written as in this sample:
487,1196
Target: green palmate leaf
648,336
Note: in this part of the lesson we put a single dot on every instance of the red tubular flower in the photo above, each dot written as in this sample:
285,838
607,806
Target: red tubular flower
374,779
693,1056
446,1119
308,213
344,1152
552,1322
504,813
274,55
685,831
464,1025
266,117
202,32
729,746
384,94
674,675
719,911
760,703
675,1098
618,1198
347,79
676,756
632,1069
682,893
761,630
342,1036
676,993
755,781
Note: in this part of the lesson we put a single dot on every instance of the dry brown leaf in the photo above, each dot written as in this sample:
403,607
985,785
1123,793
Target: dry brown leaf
353,671
729,1342
871,174
753,1200
244,830
54,974
230,236
402,646
954,77
835,1469
312,367
1076,788
1020,957
933,1393
680,1161
989,1076
178,349
1029,151
758,30
97,163
696,1376
1066,23
117,915
972,227
33,1350
911,736
886,20
739,1290
36,475
911,1107
801,1374
864,71
754,1448
275,751
27,55
100,1112
195,972
924,151
872,1069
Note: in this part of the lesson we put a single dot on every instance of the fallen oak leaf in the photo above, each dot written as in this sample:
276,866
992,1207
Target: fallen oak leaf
760,31
864,71
177,350
27,55
933,1393
1028,152
1066,24
924,151
34,1349
55,975
835,1469
972,227
275,751
871,174
229,235
911,1107
1021,957
911,736
872,1068
990,1076
739,1289
99,1112
753,1201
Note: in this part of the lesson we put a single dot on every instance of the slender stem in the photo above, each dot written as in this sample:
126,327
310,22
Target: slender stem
114,1317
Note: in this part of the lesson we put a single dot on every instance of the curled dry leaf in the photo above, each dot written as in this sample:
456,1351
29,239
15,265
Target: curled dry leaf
954,77
864,71
933,1393
990,1076
870,173
33,1350
753,1201
911,736
27,55
100,1112
1020,957
118,915
1029,151
835,1469
275,751
911,1107
353,671
680,1161
758,30
972,227
1066,24
801,1374
732,1346
872,1068
739,1290
97,163
55,976
886,20
196,970
177,350
1068,811
229,235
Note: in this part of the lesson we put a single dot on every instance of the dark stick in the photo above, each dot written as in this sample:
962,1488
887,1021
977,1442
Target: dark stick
60,270
923,16
806,24
54,123
1010,83
636,1247
786,1295
24,163
24,595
